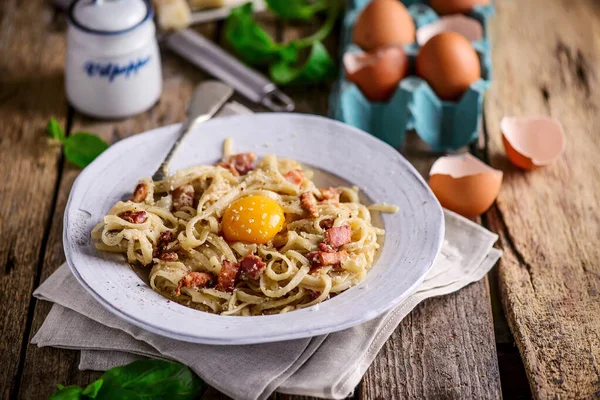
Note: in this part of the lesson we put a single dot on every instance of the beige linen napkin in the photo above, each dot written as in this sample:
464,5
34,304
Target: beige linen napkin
326,366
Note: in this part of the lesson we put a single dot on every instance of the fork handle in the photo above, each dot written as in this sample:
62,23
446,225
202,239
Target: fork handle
163,171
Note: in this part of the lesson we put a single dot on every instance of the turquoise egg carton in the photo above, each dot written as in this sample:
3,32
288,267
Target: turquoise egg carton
443,125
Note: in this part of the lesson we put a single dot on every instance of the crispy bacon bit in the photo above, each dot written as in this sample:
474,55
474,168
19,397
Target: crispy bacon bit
296,176
309,204
326,248
320,258
162,246
331,195
239,164
140,193
338,236
183,196
228,276
171,256
326,223
195,280
135,217
251,268
313,294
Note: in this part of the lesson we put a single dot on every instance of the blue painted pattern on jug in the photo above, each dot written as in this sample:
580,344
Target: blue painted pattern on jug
112,71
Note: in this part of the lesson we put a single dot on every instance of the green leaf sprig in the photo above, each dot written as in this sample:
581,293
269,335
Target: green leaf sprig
81,148
140,380
256,47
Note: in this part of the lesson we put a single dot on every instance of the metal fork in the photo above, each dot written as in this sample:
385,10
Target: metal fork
208,98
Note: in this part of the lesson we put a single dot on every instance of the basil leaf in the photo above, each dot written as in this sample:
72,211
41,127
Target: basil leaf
250,41
150,380
318,67
82,148
302,10
54,130
72,392
93,388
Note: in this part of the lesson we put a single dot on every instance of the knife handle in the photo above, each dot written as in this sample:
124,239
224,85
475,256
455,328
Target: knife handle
217,62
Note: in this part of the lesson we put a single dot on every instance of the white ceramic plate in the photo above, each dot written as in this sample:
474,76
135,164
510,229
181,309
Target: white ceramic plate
413,235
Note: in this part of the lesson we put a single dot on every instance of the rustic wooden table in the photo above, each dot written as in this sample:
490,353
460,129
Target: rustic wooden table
546,61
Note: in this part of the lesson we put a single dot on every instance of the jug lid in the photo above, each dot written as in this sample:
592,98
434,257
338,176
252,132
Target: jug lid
109,16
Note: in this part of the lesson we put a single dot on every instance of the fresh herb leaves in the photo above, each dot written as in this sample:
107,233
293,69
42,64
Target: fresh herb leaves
140,380
318,66
67,393
80,148
257,47
299,10
249,39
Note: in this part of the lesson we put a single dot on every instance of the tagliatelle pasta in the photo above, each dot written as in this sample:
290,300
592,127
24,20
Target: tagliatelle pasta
239,239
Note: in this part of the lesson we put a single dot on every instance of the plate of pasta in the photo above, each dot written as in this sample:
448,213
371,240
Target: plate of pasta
271,227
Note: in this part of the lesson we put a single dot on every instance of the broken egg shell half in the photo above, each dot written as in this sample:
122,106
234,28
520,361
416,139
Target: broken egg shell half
468,27
532,142
464,184
378,73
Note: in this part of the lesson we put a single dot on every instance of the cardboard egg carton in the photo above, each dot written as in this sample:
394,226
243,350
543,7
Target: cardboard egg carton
443,125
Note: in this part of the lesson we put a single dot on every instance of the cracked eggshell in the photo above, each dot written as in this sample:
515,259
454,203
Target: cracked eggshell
464,184
468,27
377,74
532,142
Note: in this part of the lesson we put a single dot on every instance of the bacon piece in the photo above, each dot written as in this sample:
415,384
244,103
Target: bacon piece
195,280
140,193
326,223
296,176
228,276
135,217
326,248
338,236
331,195
320,258
309,204
183,196
170,256
251,268
164,239
239,164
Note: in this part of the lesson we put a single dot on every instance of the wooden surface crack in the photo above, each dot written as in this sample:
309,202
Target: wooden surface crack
510,241
576,65
9,265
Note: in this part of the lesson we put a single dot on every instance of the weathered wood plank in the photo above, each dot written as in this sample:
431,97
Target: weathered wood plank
31,91
444,348
548,218
60,366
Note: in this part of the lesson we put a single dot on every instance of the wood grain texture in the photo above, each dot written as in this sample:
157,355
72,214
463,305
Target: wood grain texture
31,91
548,219
444,348
60,366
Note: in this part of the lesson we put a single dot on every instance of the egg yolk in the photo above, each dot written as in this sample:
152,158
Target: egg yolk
252,219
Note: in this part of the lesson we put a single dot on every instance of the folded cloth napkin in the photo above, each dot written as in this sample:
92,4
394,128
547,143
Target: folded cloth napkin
327,366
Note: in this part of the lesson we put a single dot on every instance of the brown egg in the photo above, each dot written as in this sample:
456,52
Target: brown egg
444,7
464,184
449,63
377,74
383,22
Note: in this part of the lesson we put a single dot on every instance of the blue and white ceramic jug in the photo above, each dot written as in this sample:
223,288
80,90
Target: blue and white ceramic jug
113,64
